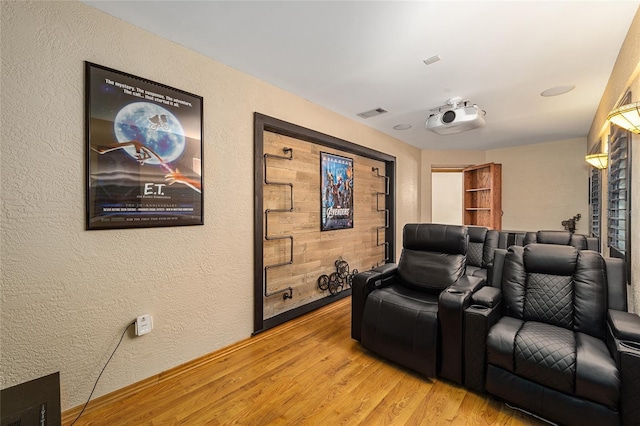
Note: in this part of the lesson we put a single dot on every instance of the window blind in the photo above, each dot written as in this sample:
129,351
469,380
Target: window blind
618,192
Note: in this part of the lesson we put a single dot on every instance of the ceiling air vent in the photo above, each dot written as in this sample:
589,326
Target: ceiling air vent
372,113
432,60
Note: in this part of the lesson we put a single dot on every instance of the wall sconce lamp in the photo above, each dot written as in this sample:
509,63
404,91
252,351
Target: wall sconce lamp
627,116
599,161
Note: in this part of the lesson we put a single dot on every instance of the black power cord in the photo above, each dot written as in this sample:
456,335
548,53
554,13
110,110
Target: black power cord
100,375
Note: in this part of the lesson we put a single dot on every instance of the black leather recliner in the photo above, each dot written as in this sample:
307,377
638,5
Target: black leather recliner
482,243
553,336
566,238
412,313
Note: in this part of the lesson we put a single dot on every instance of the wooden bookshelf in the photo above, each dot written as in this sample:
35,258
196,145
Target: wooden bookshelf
482,204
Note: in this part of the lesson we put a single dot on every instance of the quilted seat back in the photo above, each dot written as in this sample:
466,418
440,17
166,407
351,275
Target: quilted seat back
557,285
433,255
477,235
482,244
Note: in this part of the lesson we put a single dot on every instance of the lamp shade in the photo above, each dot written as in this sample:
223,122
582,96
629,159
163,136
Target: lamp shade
627,116
599,161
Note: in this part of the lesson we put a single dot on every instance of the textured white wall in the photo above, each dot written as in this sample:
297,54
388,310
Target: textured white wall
543,184
625,76
67,293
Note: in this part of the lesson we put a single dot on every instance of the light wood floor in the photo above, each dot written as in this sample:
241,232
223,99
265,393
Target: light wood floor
306,372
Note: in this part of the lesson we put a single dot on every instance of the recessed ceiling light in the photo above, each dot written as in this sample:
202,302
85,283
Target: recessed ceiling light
558,90
402,126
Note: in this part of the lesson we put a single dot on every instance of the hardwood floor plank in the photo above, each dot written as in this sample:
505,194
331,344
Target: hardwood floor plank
400,402
244,385
238,386
305,372
297,396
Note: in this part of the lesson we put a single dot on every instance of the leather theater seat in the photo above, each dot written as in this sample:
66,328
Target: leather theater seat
565,238
559,342
412,313
482,244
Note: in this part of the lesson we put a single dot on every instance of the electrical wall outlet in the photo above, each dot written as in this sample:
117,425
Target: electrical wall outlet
144,324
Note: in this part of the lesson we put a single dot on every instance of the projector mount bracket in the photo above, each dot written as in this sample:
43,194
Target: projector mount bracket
451,104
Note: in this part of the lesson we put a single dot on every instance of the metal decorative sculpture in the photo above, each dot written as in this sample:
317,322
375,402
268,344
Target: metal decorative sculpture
570,224
336,281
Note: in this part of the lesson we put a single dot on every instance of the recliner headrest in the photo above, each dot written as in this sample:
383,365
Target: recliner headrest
553,237
450,239
550,259
566,238
477,234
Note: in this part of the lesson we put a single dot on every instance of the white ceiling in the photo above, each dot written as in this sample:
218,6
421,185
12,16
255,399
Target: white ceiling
352,56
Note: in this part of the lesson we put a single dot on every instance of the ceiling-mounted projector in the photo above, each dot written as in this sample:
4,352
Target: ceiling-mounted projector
455,117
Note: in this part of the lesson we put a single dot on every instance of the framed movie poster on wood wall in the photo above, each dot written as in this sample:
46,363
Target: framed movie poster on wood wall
336,192
144,152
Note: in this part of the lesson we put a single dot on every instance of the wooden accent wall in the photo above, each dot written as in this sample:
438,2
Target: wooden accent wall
315,252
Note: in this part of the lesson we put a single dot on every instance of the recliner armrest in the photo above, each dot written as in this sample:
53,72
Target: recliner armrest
623,336
487,297
616,283
451,305
483,313
623,339
624,325
362,284
629,366
466,283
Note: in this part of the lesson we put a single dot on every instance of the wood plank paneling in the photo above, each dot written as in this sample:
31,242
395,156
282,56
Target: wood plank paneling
314,252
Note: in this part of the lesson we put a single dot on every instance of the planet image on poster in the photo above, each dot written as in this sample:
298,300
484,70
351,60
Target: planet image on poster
154,127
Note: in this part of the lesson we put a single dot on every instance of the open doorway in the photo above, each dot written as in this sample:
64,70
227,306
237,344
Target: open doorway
446,195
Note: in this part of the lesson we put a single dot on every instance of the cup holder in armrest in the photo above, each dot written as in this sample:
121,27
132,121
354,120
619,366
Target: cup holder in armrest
479,307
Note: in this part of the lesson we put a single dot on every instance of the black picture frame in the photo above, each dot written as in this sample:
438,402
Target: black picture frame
336,192
144,152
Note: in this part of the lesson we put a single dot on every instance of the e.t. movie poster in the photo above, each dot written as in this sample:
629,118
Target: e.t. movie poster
337,192
144,164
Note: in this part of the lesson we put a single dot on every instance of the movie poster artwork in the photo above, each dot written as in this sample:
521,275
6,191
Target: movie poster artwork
144,147
336,192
